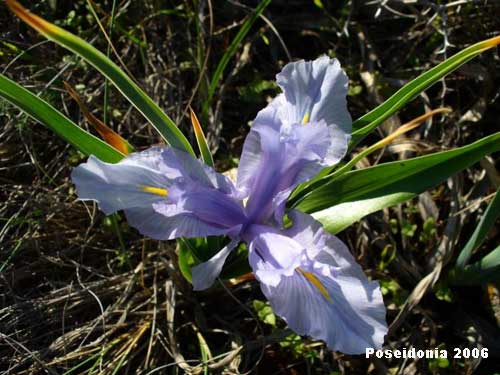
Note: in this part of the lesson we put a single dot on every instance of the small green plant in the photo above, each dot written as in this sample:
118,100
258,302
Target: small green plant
264,312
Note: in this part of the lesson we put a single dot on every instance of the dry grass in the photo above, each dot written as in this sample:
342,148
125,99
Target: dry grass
76,301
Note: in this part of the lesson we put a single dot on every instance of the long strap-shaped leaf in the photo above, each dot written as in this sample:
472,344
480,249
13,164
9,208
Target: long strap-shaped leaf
43,112
137,97
341,201
487,221
486,270
367,123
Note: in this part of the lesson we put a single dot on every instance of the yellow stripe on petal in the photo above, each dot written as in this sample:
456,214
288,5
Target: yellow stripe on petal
316,283
305,119
155,190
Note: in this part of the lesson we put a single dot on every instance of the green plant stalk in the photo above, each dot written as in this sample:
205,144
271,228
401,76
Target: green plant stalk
123,249
108,51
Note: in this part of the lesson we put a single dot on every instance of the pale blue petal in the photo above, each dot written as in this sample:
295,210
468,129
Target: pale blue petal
302,131
160,227
350,320
187,169
119,186
204,274
265,128
276,159
318,242
271,254
196,201
351,317
315,90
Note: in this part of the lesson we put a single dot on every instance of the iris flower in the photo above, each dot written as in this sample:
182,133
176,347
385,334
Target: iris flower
308,275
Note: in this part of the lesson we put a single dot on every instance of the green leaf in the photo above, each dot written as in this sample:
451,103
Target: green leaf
483,271
44,113
367,123
341,201
193,251
490,216
206,355
137,97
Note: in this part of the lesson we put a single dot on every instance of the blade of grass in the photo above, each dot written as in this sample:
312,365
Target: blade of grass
205,352
44,113
137,97
110,136
368,122
124,254
127,348
108,51
231,50
11,255
81,364
110,47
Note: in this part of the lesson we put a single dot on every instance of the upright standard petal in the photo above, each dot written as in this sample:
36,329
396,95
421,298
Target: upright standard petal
277,157
314,91
301,131
164,192
327,296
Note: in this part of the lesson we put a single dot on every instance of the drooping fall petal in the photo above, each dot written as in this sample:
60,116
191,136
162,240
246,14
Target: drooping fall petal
327,296
165,193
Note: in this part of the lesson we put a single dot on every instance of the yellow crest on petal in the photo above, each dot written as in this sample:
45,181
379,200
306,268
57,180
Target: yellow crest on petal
154,190
305,119
316,283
